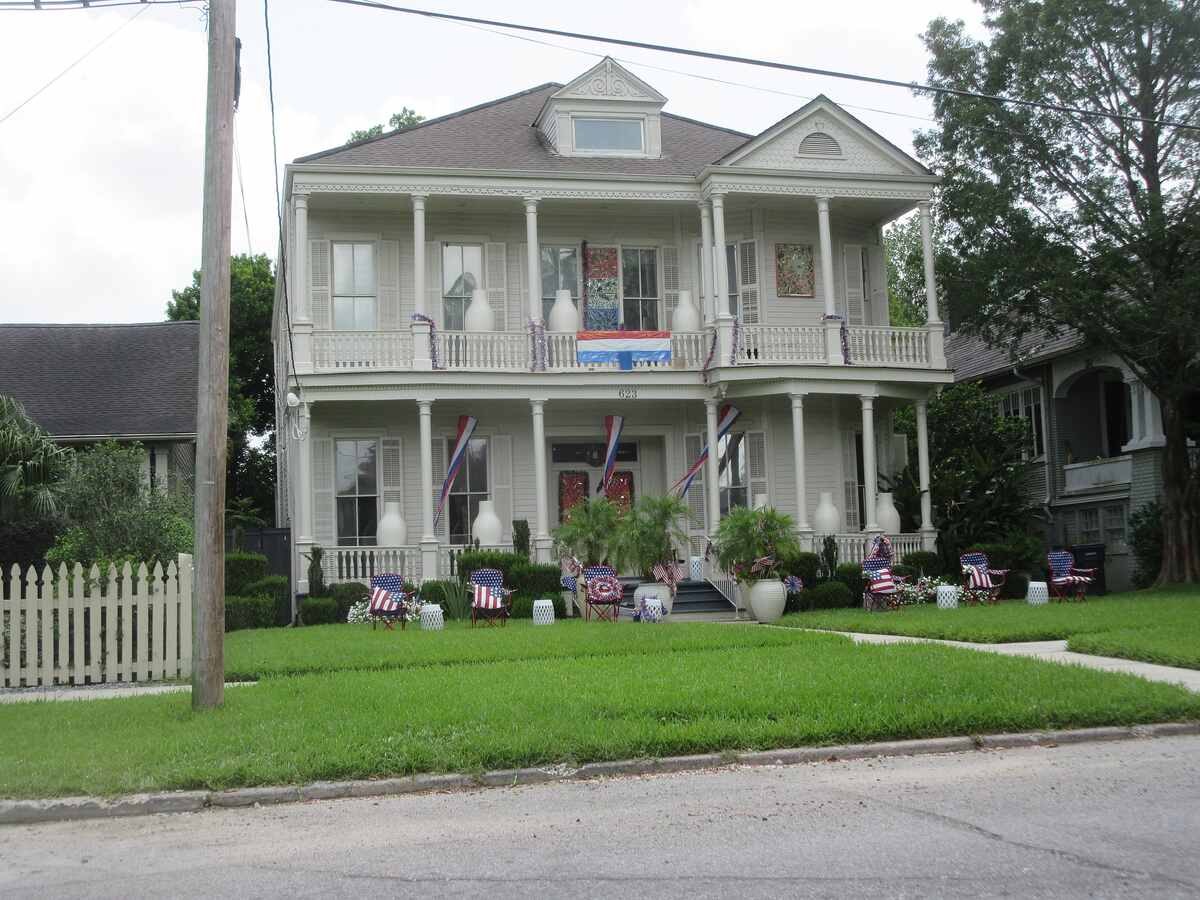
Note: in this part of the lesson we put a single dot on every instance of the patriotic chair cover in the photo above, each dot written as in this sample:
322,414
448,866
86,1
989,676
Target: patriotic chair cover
602,593
880,591
489,599
978,575
572,569
1066,581
388,602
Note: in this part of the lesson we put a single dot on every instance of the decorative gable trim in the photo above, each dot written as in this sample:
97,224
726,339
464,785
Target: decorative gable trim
609,80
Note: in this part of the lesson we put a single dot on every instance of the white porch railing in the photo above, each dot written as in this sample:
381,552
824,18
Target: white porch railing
688,350
781,344
448,558
361,563
337,351
879,345
506,351
853,547
724,583
1098,474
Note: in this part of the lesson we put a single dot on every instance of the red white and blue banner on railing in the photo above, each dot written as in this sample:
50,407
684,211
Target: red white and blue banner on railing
728,414
612,437
466,427
622,347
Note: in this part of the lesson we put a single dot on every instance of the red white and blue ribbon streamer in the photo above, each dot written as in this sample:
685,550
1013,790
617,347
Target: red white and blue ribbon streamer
466,427
729,413
612,437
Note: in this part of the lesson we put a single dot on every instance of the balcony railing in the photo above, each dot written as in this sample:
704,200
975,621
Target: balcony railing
1098,474
781,344
876,345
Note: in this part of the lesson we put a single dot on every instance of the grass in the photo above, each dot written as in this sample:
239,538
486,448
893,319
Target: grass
578,694
1167,645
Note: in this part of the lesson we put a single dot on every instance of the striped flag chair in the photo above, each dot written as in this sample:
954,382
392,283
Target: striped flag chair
979,576
880,591
602,593
1066,581
388,602
489,597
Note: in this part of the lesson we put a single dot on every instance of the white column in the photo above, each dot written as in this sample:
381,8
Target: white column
802,526
302,301
870,470
429,541
1154,421
542,535
422,360
826,255
707,302
533,260
721,304
712,486
931,305
302,497
923,474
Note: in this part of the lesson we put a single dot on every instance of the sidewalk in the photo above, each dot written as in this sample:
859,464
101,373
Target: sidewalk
98,691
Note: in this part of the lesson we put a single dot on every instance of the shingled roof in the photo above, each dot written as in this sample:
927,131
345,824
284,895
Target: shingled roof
500,135
971,357
91,381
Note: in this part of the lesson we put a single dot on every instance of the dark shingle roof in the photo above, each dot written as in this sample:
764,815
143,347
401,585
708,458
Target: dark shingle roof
104,380
971,357
499,135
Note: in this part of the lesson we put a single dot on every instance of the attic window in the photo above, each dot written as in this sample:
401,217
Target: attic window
820,144
609,135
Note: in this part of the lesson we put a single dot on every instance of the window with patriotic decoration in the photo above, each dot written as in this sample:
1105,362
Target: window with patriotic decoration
639,288
357,494
462,272
354,286
470,486
733,478
1027,404
560,272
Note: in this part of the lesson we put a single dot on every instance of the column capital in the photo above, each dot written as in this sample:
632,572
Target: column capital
797,398
924,206
300,200
425,406
704,208
538,405
713,403
531,204
822,204
418,200
717,199
867,400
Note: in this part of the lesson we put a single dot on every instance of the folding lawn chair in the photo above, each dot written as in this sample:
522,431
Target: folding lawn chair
603,592
490,599
389,601
880,592
1066,581
978,575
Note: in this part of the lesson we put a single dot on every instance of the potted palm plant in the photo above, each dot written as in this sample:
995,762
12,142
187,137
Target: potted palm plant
588,531
648,535
750,544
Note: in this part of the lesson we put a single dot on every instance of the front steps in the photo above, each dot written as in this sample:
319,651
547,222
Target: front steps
695,601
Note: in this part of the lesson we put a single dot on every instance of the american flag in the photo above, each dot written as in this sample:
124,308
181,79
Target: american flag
383,601
667,573
882,582
487,598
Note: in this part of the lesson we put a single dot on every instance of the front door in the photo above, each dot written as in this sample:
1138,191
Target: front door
573,488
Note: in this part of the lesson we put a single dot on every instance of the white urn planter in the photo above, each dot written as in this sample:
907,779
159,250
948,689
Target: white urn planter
886,514
768,599
392,530
687,317
487,528
479,316
563,314
827,519
656,590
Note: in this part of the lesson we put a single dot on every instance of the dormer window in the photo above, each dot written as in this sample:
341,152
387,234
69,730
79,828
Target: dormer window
609,135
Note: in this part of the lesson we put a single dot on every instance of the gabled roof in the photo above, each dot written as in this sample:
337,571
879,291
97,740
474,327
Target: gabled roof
609,80
972,357
90,381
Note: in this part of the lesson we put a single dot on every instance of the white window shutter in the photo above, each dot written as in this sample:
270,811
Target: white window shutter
850,479
433,281
319,284
853,255
389,285
748,281
322,492
877,284
692,444
391,454
756,446
670,268
496,281
502,492
438,455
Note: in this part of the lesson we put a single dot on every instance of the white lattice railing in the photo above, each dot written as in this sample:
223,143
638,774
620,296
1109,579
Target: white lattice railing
876,345
853,547
360,563
336,351
484,350
781,344
688,349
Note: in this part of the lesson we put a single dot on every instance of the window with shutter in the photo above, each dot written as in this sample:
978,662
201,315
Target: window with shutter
748,281
318,281
389,285
756,453
877,280
438,456
853,255
496,281
322,491
850,480
392,470
697,532
670,265
502,491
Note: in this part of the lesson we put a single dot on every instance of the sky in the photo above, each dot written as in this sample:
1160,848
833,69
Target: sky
101,175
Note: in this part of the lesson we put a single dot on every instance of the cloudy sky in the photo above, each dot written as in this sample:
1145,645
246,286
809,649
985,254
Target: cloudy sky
101,175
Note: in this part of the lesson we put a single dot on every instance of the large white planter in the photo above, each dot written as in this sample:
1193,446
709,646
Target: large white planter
392,531
826,518
563,314
768,599
487,527
654,589
479,315
687,317
886,514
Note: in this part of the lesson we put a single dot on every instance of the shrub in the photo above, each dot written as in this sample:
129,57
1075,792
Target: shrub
1146,542
345,594
318,611
249,612
520,533
535,578
903,571
850,574
806,566
452,596
277,588
1019,552
1017,585
25,541
522,604
316,572
926,562
242,570
470,560
830,595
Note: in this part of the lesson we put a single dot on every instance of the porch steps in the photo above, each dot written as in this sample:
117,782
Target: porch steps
693,597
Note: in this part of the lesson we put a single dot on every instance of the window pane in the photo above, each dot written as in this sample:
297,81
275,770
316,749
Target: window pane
473,508
452,316
472,267
366,467
633,314
649,274
367,511
476,464
460,524
364,313
343,268
568,269
451,269
343,313
549,271
630,260
347,521
608,134
347,467
364,269
731,265
649,315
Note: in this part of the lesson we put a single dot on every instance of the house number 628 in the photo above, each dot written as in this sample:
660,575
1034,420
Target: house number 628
627,393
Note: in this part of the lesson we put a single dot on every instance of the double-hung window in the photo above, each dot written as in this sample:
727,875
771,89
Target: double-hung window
1027,404
353,286
732,476
470,486
639,281
462,273
357,492
560,272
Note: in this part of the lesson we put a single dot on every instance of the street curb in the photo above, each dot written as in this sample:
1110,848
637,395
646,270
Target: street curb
27,812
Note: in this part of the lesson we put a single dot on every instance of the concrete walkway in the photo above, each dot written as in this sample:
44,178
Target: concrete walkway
1051,651
60,693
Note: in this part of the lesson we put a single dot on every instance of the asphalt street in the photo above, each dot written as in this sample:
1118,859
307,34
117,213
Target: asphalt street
1088,820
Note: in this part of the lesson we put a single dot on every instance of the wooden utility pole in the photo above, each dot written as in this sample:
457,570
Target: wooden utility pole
212,425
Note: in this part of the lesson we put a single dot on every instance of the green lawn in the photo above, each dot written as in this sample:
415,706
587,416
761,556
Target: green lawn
1149,625
570,693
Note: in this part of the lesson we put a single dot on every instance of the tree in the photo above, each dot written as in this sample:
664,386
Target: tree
32,466
406,118
251,459
906,270
1081,221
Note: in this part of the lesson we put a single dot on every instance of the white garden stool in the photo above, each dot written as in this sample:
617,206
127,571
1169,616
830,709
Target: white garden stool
696,568
1039,593
947,596
543,612
432,618
653,610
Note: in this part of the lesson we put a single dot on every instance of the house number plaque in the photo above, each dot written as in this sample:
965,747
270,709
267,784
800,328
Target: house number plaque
626,393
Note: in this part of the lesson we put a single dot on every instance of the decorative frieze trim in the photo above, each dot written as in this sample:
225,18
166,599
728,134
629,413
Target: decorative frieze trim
815,189
517,191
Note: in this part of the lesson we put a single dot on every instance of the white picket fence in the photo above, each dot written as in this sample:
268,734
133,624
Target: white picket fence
77,626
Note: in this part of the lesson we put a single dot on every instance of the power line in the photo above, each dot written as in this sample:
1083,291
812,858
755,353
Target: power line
769,64
12,112
68,5
237,156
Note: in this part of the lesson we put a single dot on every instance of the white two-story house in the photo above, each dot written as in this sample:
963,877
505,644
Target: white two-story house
425,279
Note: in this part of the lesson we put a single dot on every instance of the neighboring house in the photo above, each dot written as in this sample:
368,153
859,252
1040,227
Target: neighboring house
91,383
743,249
1096,435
